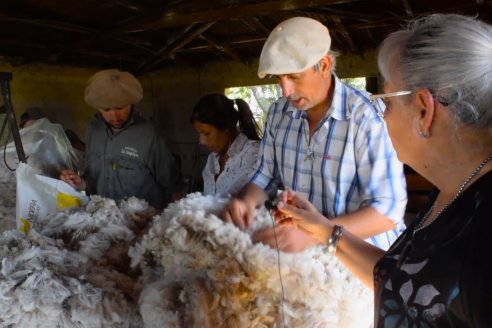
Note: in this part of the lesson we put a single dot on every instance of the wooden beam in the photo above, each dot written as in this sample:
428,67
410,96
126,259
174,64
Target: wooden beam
170,41
46,23
232,43
186,38
221,48
135,21
16,42
89,34
130,4
261,25
340,28
343,14
61,56
190,38
407,8
163,20
393,21
248,24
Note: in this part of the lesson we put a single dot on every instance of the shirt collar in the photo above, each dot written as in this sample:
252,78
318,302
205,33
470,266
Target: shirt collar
236,146
130,121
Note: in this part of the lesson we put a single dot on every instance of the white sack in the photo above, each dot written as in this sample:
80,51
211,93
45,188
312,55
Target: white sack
39,196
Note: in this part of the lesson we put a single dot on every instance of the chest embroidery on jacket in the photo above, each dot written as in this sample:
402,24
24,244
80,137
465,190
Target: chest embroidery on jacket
130,151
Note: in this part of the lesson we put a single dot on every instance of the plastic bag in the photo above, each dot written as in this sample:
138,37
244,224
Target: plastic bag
47,148
39,196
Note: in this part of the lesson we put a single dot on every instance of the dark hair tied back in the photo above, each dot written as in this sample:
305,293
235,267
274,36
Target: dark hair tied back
219,111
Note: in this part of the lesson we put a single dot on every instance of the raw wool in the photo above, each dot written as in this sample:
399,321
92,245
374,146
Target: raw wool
158,305
90,232
66,275
213,275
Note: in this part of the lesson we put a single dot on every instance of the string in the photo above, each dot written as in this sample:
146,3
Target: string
279,270
310,151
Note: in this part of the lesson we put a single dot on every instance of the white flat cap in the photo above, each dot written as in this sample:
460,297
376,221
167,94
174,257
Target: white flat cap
293,46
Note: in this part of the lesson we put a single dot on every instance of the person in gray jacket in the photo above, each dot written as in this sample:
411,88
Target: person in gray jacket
125,154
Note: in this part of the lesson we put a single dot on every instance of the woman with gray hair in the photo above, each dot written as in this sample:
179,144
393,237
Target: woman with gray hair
438,84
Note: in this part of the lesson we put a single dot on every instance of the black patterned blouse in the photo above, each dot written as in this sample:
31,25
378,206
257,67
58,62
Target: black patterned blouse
444,277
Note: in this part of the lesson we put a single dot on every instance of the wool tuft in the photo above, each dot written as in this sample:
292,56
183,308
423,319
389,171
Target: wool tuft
69,270
211,274
185,268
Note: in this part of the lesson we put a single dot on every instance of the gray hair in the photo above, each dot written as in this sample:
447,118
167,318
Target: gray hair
333,55
449,54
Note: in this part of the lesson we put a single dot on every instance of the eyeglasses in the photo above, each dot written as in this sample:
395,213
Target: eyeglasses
378,106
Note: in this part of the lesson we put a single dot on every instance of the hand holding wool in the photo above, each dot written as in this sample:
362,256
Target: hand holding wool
239,212
73,179
285,238
294,210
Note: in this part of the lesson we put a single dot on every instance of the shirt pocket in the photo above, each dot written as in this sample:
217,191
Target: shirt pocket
132,175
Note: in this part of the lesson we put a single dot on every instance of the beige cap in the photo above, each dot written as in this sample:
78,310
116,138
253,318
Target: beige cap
112,88
293,46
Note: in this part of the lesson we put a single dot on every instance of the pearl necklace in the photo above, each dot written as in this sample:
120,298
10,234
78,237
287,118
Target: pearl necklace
421,224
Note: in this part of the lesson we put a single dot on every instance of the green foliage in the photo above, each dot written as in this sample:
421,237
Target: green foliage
356,82
259,98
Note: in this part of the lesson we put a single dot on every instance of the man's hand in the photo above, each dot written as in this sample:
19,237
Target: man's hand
73,179
289,239
239,212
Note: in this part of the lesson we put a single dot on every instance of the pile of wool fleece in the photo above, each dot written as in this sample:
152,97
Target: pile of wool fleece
66,272
202,272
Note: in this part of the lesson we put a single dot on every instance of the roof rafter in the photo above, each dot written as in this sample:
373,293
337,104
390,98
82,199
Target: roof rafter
245,10
180,41
343,31
221,48
407,8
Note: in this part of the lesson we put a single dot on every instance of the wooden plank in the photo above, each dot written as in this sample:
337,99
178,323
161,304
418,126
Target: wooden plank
169,52
340,28
222,48
163,20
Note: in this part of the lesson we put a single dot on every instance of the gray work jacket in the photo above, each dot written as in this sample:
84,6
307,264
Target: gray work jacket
133,162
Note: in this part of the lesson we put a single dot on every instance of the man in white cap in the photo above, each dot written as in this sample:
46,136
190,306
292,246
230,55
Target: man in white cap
125,155
325,140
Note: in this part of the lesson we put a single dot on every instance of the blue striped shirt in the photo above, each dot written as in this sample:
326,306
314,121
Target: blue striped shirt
348,163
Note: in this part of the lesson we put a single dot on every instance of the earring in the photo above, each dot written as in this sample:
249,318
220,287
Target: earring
422,134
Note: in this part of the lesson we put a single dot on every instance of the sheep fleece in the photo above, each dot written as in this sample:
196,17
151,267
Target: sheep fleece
201,272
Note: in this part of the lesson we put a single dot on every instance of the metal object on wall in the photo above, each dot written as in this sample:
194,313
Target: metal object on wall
5,78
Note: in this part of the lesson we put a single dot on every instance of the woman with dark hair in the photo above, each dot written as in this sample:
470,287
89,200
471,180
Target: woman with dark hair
226,128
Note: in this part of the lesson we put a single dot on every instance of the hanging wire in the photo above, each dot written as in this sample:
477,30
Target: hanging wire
282,294
4,125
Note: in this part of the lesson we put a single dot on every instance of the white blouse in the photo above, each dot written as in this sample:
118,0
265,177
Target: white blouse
238,170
